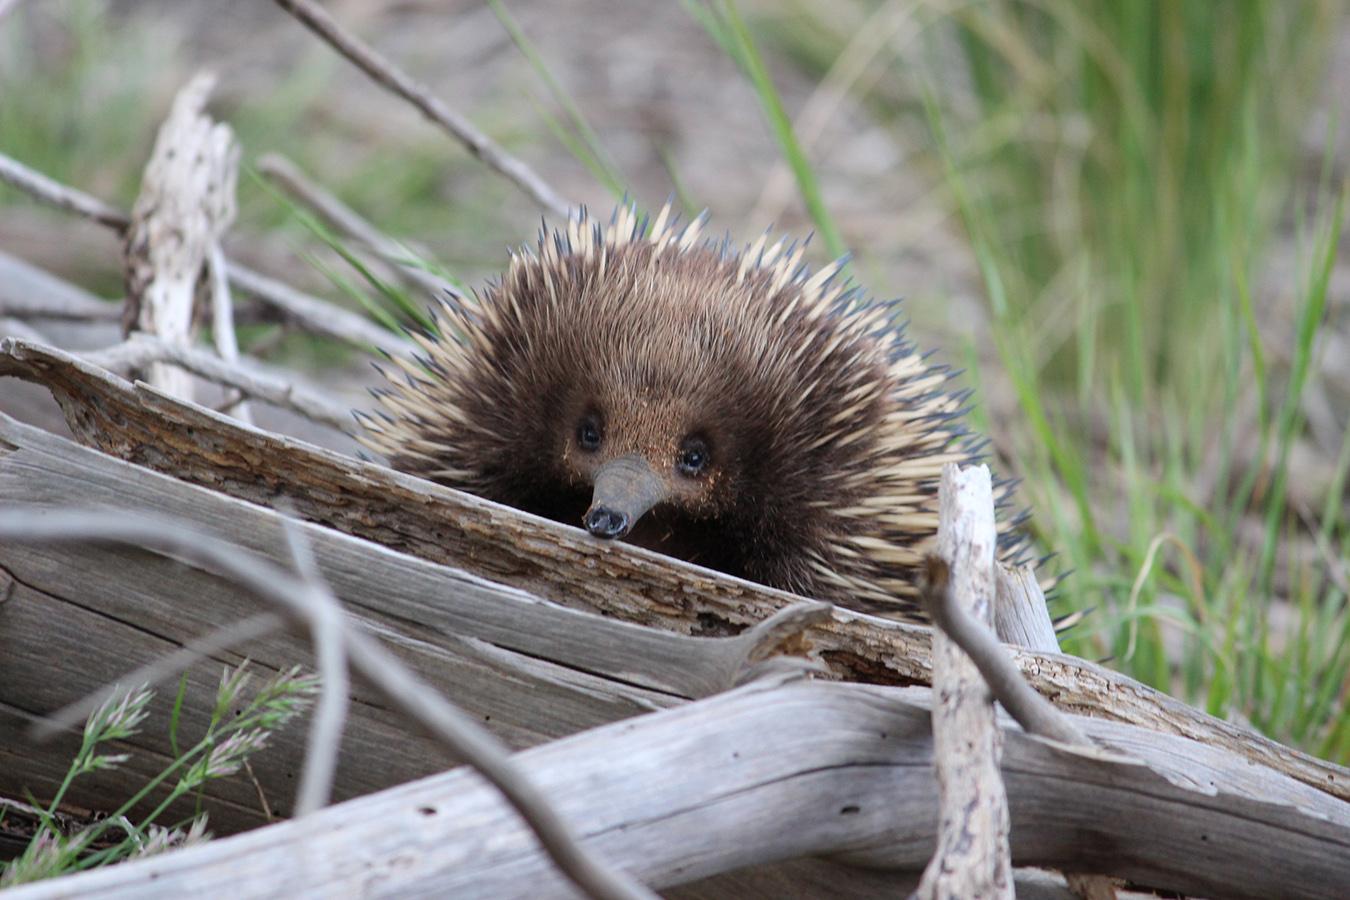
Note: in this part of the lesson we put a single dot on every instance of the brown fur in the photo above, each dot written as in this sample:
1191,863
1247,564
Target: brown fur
826,432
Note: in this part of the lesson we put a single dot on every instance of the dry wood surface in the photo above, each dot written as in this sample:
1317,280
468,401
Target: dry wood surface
563,564
774,771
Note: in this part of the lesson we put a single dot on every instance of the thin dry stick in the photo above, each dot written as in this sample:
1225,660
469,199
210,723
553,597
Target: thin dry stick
1032,711
266,807
318,316
315,315
222,321
330,653
15,328
35,184
404,690
140,350
317,20
290,178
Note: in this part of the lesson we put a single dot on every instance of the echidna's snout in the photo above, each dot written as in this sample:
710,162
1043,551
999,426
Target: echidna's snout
625,488
604,522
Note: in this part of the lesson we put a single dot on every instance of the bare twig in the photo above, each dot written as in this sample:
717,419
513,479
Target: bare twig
222,320
1032,711
328,632
403,689
317,20
317,316
35,184
140,350
29,292
290,178
15,328
262,795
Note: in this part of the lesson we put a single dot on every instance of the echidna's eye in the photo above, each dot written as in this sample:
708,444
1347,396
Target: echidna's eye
694,457
588,434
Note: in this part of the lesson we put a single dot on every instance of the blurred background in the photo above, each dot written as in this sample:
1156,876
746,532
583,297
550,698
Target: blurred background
1121,219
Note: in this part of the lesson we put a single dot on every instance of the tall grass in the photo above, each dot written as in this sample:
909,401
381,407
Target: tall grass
1119,171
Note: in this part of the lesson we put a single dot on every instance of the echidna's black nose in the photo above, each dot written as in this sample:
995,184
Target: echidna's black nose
604,522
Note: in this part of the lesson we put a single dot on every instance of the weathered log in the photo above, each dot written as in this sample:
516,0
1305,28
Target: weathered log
560,563
75,618
776,771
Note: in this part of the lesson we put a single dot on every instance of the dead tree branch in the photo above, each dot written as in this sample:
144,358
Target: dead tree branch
39,186
973,858
772,771
141,350
28,292
384,73
318,316
560,563
290,178
304,602
161,670
311,313
1032,711
185,205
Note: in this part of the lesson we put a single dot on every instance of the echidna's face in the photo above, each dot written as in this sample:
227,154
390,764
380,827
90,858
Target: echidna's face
637,453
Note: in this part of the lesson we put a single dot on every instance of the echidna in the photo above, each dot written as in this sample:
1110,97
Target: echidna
724,407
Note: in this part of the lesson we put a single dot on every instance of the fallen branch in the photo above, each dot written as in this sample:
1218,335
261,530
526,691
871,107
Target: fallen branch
27,292
222,323
161,670
346,220
310,604
1032,711
37,185
15,328
141,350
770,772
384,73
562,563
532,670
315,315
318,316
185,205
972,858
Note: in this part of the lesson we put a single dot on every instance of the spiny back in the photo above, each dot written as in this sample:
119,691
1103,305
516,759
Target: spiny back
726,407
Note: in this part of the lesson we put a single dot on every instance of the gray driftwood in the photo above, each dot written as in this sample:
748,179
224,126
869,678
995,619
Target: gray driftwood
74,618
1020,613
185,205
775,771
560,563
972,857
